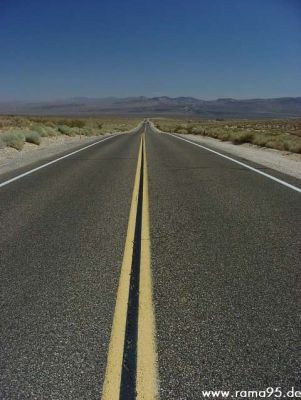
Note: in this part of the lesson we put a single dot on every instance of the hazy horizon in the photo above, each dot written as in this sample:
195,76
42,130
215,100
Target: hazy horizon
62,99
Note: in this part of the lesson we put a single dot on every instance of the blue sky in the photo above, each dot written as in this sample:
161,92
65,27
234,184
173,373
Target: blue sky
202,48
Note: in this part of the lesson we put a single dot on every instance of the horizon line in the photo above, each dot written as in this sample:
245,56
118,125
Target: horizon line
144,97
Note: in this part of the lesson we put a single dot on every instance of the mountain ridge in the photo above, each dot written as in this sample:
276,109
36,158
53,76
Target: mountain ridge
280,107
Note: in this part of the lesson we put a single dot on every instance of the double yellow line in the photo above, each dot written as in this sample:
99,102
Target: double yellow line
146,375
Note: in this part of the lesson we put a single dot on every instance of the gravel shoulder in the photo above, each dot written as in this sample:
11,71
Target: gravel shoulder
282,161
11,159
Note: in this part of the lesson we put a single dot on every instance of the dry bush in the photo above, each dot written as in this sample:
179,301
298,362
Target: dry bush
277,134
14,139
72,123
33,137
66,130
241,137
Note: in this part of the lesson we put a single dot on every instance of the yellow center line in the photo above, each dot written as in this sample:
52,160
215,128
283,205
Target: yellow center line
146,375
111,387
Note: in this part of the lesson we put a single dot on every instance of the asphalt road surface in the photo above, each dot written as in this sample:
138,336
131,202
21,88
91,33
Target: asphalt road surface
223,310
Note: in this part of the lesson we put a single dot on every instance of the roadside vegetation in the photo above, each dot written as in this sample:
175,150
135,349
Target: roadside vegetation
15,131
275,134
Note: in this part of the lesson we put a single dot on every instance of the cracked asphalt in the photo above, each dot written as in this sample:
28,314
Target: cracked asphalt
225,245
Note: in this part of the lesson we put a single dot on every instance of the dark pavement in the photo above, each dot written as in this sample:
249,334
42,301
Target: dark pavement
226,266
225,246
62,238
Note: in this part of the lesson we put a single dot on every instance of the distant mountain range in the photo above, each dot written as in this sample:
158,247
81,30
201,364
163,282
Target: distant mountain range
283,107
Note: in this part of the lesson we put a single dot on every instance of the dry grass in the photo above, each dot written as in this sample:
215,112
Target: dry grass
275,134
15,130
33,137
14,139
67,130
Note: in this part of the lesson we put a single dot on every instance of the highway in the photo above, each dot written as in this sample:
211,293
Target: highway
148,267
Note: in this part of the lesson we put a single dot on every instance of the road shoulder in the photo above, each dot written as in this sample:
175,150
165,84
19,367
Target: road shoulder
11,159
281,161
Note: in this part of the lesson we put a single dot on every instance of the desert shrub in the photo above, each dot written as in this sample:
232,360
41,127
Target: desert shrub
225,136
50,132
33,137
241,137
275,144
14,139
214,133
40,129
196,130
278,134
189,129
6,122
77,123
50,124
293,145
66,130
2,144
176,129
44,130
261,139
20,122
43,121
86,131
72,123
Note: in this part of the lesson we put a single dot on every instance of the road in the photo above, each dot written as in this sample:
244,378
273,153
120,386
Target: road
147,264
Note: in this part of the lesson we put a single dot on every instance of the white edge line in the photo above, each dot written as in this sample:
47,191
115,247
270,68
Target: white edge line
240,163
52,162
